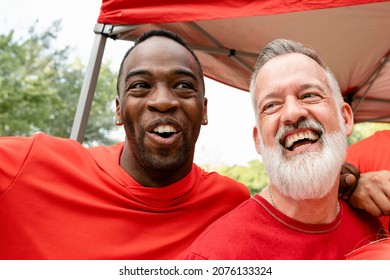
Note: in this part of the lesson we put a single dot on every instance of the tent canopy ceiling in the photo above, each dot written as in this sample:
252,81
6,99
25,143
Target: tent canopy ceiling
353,38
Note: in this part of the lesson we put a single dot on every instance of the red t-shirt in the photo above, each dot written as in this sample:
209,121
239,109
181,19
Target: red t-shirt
60,200
372,154
257,231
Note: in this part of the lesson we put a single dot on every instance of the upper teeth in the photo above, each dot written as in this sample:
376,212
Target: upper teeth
291,139
164,129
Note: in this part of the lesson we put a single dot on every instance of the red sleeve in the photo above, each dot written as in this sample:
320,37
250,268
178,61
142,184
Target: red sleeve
13,154
371,153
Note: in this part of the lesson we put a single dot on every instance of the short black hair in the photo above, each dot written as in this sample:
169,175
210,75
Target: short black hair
153,33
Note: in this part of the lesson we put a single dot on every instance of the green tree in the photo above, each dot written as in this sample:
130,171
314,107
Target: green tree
39,88
253,175
365,129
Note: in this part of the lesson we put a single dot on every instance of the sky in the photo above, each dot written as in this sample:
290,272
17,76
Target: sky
226,140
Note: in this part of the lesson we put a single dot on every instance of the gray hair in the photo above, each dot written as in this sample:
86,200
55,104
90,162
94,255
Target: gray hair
284,46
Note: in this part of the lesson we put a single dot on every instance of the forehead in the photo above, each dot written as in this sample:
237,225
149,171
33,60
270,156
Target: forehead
292,67
160,52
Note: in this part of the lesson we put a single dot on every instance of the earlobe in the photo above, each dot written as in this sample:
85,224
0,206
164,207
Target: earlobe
347,114
205,121
256,139
118,119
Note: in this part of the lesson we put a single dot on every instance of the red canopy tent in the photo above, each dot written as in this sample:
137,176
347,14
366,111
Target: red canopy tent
353,37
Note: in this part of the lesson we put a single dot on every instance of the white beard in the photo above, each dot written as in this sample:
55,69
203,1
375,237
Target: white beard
308,175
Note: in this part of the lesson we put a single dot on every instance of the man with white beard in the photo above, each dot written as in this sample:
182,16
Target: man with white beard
302,124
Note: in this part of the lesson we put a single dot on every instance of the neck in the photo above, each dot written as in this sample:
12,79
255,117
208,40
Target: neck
312,211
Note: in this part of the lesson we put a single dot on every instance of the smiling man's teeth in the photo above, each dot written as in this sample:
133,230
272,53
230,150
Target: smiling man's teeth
164,129
290,140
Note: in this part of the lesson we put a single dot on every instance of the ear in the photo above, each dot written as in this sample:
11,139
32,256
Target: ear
347,115
205,119
256,139
118,118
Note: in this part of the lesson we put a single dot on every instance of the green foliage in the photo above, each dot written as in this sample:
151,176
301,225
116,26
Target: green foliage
253,175
363,130
39,89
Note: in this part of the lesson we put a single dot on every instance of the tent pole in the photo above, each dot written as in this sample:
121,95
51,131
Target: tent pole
88,89
371,81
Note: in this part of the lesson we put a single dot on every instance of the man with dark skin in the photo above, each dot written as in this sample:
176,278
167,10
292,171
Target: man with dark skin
162,106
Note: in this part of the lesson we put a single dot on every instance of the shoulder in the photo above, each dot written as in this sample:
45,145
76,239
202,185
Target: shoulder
238,216
113,150
40,140
354,218
214,242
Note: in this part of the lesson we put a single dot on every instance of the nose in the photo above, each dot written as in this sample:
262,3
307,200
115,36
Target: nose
293,111
163,100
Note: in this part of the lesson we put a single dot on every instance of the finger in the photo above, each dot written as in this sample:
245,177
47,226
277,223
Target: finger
350,168
347,186
349,179
383,203
370,206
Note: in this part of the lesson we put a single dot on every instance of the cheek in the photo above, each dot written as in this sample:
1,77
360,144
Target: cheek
268,130
330,121
194,111
132,108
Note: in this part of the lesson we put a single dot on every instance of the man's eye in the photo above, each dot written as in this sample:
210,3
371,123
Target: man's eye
185,85
139,85
268,106
271,107
309,95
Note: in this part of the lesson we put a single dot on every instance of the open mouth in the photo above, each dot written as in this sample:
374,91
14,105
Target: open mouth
164,131
293,141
